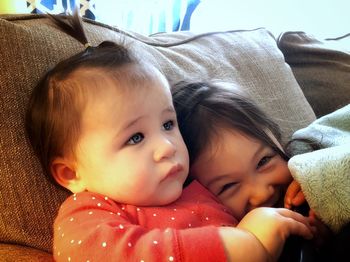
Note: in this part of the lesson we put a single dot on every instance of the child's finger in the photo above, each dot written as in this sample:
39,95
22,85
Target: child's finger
298,199
299,225
291,192
312,214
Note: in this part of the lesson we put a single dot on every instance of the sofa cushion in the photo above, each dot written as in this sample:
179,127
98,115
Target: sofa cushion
9,252
321,67
29,45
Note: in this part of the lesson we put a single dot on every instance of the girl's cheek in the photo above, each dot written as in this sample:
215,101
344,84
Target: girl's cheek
285,175
288,175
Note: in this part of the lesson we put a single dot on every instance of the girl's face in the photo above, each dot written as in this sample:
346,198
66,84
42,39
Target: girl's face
242,172
130,148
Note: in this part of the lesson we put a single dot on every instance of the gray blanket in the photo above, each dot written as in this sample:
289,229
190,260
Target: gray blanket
324,174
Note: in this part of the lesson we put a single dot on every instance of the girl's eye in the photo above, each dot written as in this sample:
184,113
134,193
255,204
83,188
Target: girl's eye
225,187
135,139
263,161
168,125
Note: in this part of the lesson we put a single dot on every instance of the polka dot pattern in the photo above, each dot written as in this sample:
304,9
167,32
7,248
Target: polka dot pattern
115,226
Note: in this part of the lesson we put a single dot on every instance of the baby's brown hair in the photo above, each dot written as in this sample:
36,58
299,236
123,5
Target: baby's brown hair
53,117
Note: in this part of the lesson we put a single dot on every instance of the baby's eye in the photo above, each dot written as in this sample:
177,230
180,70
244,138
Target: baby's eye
168,125
263,161
135,139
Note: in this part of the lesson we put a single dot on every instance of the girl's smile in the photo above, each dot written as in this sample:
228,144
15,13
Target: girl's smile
242,172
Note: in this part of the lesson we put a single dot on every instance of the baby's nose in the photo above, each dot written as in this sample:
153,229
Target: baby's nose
165,149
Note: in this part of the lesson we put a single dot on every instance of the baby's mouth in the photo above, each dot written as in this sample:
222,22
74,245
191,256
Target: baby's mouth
174,171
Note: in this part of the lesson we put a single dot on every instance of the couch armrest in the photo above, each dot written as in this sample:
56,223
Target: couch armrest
10,252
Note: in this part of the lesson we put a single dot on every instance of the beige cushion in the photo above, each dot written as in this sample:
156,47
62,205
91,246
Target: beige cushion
321,67
29,45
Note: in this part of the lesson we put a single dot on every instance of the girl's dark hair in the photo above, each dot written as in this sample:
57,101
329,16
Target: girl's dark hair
54,112
203,108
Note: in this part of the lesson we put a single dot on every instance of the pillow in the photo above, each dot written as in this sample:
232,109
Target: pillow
322,69
29,45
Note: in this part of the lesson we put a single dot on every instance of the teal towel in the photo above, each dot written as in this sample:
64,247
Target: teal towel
324,174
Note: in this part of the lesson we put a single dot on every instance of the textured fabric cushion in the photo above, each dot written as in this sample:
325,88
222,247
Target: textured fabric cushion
10,253
29,45
322,69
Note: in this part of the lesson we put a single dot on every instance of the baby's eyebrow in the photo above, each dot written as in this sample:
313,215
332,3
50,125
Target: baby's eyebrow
169,109
132,122
129,124
123,128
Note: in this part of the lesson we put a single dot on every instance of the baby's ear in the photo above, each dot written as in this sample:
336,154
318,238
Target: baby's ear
64,173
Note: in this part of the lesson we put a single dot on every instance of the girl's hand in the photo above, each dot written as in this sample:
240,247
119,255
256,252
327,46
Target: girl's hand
272,226
294,196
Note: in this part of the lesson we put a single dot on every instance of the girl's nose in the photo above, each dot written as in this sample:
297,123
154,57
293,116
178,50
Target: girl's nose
261,196
164,149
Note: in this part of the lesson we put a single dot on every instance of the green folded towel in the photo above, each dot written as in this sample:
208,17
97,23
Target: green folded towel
324,174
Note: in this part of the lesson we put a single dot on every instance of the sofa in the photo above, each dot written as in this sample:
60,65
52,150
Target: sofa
294,77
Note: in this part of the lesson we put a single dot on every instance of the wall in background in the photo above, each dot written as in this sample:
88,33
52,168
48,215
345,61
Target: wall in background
13,6
322,18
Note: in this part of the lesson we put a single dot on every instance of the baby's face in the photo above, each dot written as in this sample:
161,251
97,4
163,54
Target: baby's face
242,172
130,148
